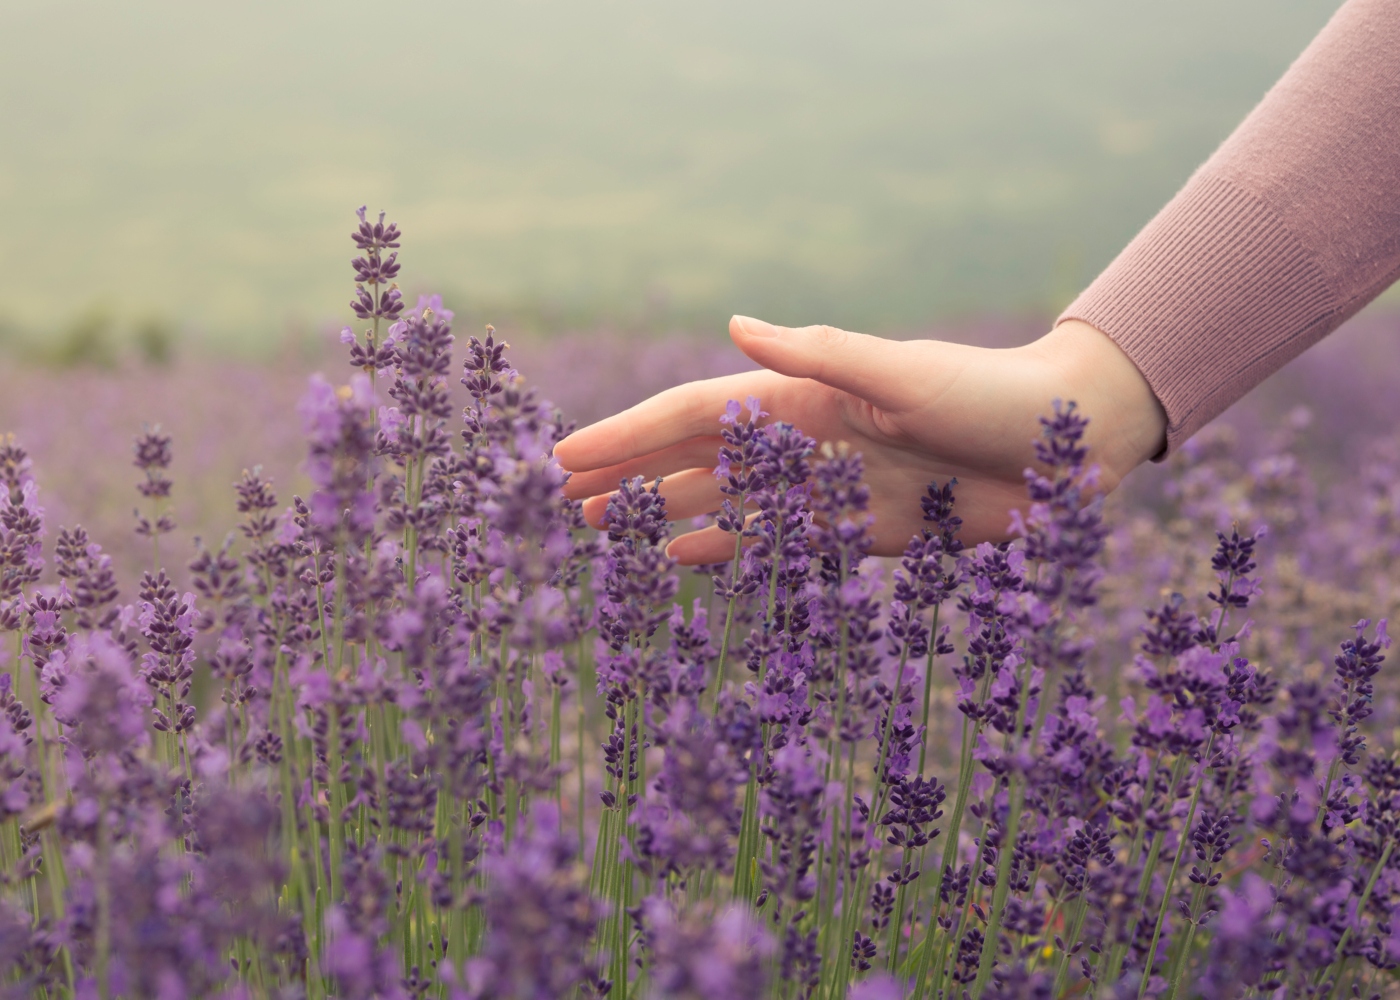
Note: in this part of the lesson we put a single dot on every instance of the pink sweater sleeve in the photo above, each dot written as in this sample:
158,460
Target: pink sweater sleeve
1290,228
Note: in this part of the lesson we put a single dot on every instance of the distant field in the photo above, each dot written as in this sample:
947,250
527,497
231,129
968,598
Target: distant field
227,415
879,165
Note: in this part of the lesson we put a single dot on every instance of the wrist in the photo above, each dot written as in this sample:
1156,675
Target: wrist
1127,425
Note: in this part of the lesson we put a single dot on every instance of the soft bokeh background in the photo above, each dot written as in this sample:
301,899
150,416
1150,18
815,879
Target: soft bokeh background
605,181
191,168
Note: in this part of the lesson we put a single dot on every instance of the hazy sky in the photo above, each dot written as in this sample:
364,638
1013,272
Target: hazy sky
874,164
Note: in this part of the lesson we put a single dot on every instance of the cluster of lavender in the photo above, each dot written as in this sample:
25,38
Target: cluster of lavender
423,734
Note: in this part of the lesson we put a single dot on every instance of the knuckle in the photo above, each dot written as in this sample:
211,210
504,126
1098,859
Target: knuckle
688,401
830,337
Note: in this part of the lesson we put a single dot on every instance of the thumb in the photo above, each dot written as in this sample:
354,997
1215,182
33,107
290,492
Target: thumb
865,366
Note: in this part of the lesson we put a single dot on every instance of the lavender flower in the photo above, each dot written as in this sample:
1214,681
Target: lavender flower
792,802
93,583
540,918
21,528
705,956
97,696
340,463
689,825
153,457
377,295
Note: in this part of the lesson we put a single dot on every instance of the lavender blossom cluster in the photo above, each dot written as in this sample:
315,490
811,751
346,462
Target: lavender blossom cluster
422,733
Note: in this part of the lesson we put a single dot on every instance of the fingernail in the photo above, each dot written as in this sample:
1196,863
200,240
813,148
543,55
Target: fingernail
756,327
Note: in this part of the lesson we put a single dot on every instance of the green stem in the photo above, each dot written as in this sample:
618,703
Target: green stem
1062,973
928,685
1120,950
104,897
833,766
336,799
729,606
748,836
991,942
555,749
1176,865
851,893
746,859
581,736
1184,954
897,924
950,850
1339,956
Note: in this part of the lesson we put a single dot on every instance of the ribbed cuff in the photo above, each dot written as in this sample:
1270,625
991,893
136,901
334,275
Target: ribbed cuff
1212,297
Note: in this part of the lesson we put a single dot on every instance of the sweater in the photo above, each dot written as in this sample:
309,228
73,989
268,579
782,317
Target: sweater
1285,232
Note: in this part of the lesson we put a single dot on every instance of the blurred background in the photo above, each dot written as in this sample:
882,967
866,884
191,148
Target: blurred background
190,170
605,181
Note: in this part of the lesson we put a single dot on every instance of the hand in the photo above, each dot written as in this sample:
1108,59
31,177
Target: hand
918,411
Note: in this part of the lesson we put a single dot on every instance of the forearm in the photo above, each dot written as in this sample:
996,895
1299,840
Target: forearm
1289,229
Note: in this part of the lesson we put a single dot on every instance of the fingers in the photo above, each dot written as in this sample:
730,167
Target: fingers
695,453
688,494
664,420
708,545
872,368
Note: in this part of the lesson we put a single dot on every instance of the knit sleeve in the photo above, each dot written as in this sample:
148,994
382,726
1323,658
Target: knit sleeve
1287,230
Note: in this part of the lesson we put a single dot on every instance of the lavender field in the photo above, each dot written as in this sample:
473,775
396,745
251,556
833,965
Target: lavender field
315,685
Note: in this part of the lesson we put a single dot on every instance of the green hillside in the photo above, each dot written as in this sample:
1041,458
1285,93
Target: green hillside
880,165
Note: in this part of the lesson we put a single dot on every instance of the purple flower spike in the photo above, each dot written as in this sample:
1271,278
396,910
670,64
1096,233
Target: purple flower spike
21,529
705,956
690,823
337,422
540,919
100,699
375,270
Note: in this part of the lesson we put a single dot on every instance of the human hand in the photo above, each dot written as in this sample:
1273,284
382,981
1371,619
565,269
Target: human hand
917,410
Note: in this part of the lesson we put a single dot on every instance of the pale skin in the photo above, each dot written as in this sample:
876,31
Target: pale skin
917,410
